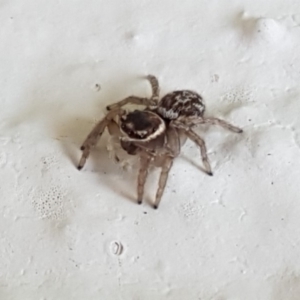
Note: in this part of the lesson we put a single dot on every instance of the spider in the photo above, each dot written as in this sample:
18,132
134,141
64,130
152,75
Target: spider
156,133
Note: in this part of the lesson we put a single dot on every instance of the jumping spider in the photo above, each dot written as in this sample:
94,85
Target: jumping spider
156,133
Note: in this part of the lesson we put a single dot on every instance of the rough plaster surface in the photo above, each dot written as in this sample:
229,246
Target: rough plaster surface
67,234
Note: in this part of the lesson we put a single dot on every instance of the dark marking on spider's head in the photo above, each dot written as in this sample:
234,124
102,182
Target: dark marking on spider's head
141,125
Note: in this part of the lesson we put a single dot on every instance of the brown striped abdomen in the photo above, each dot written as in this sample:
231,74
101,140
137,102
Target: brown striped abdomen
181,103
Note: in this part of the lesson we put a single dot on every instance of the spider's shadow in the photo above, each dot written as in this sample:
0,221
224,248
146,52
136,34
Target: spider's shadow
63,124
194,162
73,133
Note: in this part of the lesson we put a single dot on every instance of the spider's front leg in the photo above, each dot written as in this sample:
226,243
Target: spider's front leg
129,100
153,101
165,169
95,135
166,157
145,159
162,155
155,88
165,162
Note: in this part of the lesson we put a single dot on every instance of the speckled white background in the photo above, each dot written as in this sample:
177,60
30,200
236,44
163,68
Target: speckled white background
234,236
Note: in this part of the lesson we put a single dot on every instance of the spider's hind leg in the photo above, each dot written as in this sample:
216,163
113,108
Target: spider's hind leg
222,123
200,142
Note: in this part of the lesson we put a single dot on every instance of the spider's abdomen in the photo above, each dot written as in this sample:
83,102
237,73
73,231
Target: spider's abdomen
181,103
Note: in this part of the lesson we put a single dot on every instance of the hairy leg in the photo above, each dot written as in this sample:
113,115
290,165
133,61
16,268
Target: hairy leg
115,133
222,123
95,135
155,87
113,128
200,142
143,172
186,123
168,162
129,100
152,101
173,141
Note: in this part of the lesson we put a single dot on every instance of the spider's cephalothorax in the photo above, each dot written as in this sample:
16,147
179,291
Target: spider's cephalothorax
142,125
141,129
156,133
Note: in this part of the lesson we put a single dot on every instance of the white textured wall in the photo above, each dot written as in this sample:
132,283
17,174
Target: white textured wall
231,236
